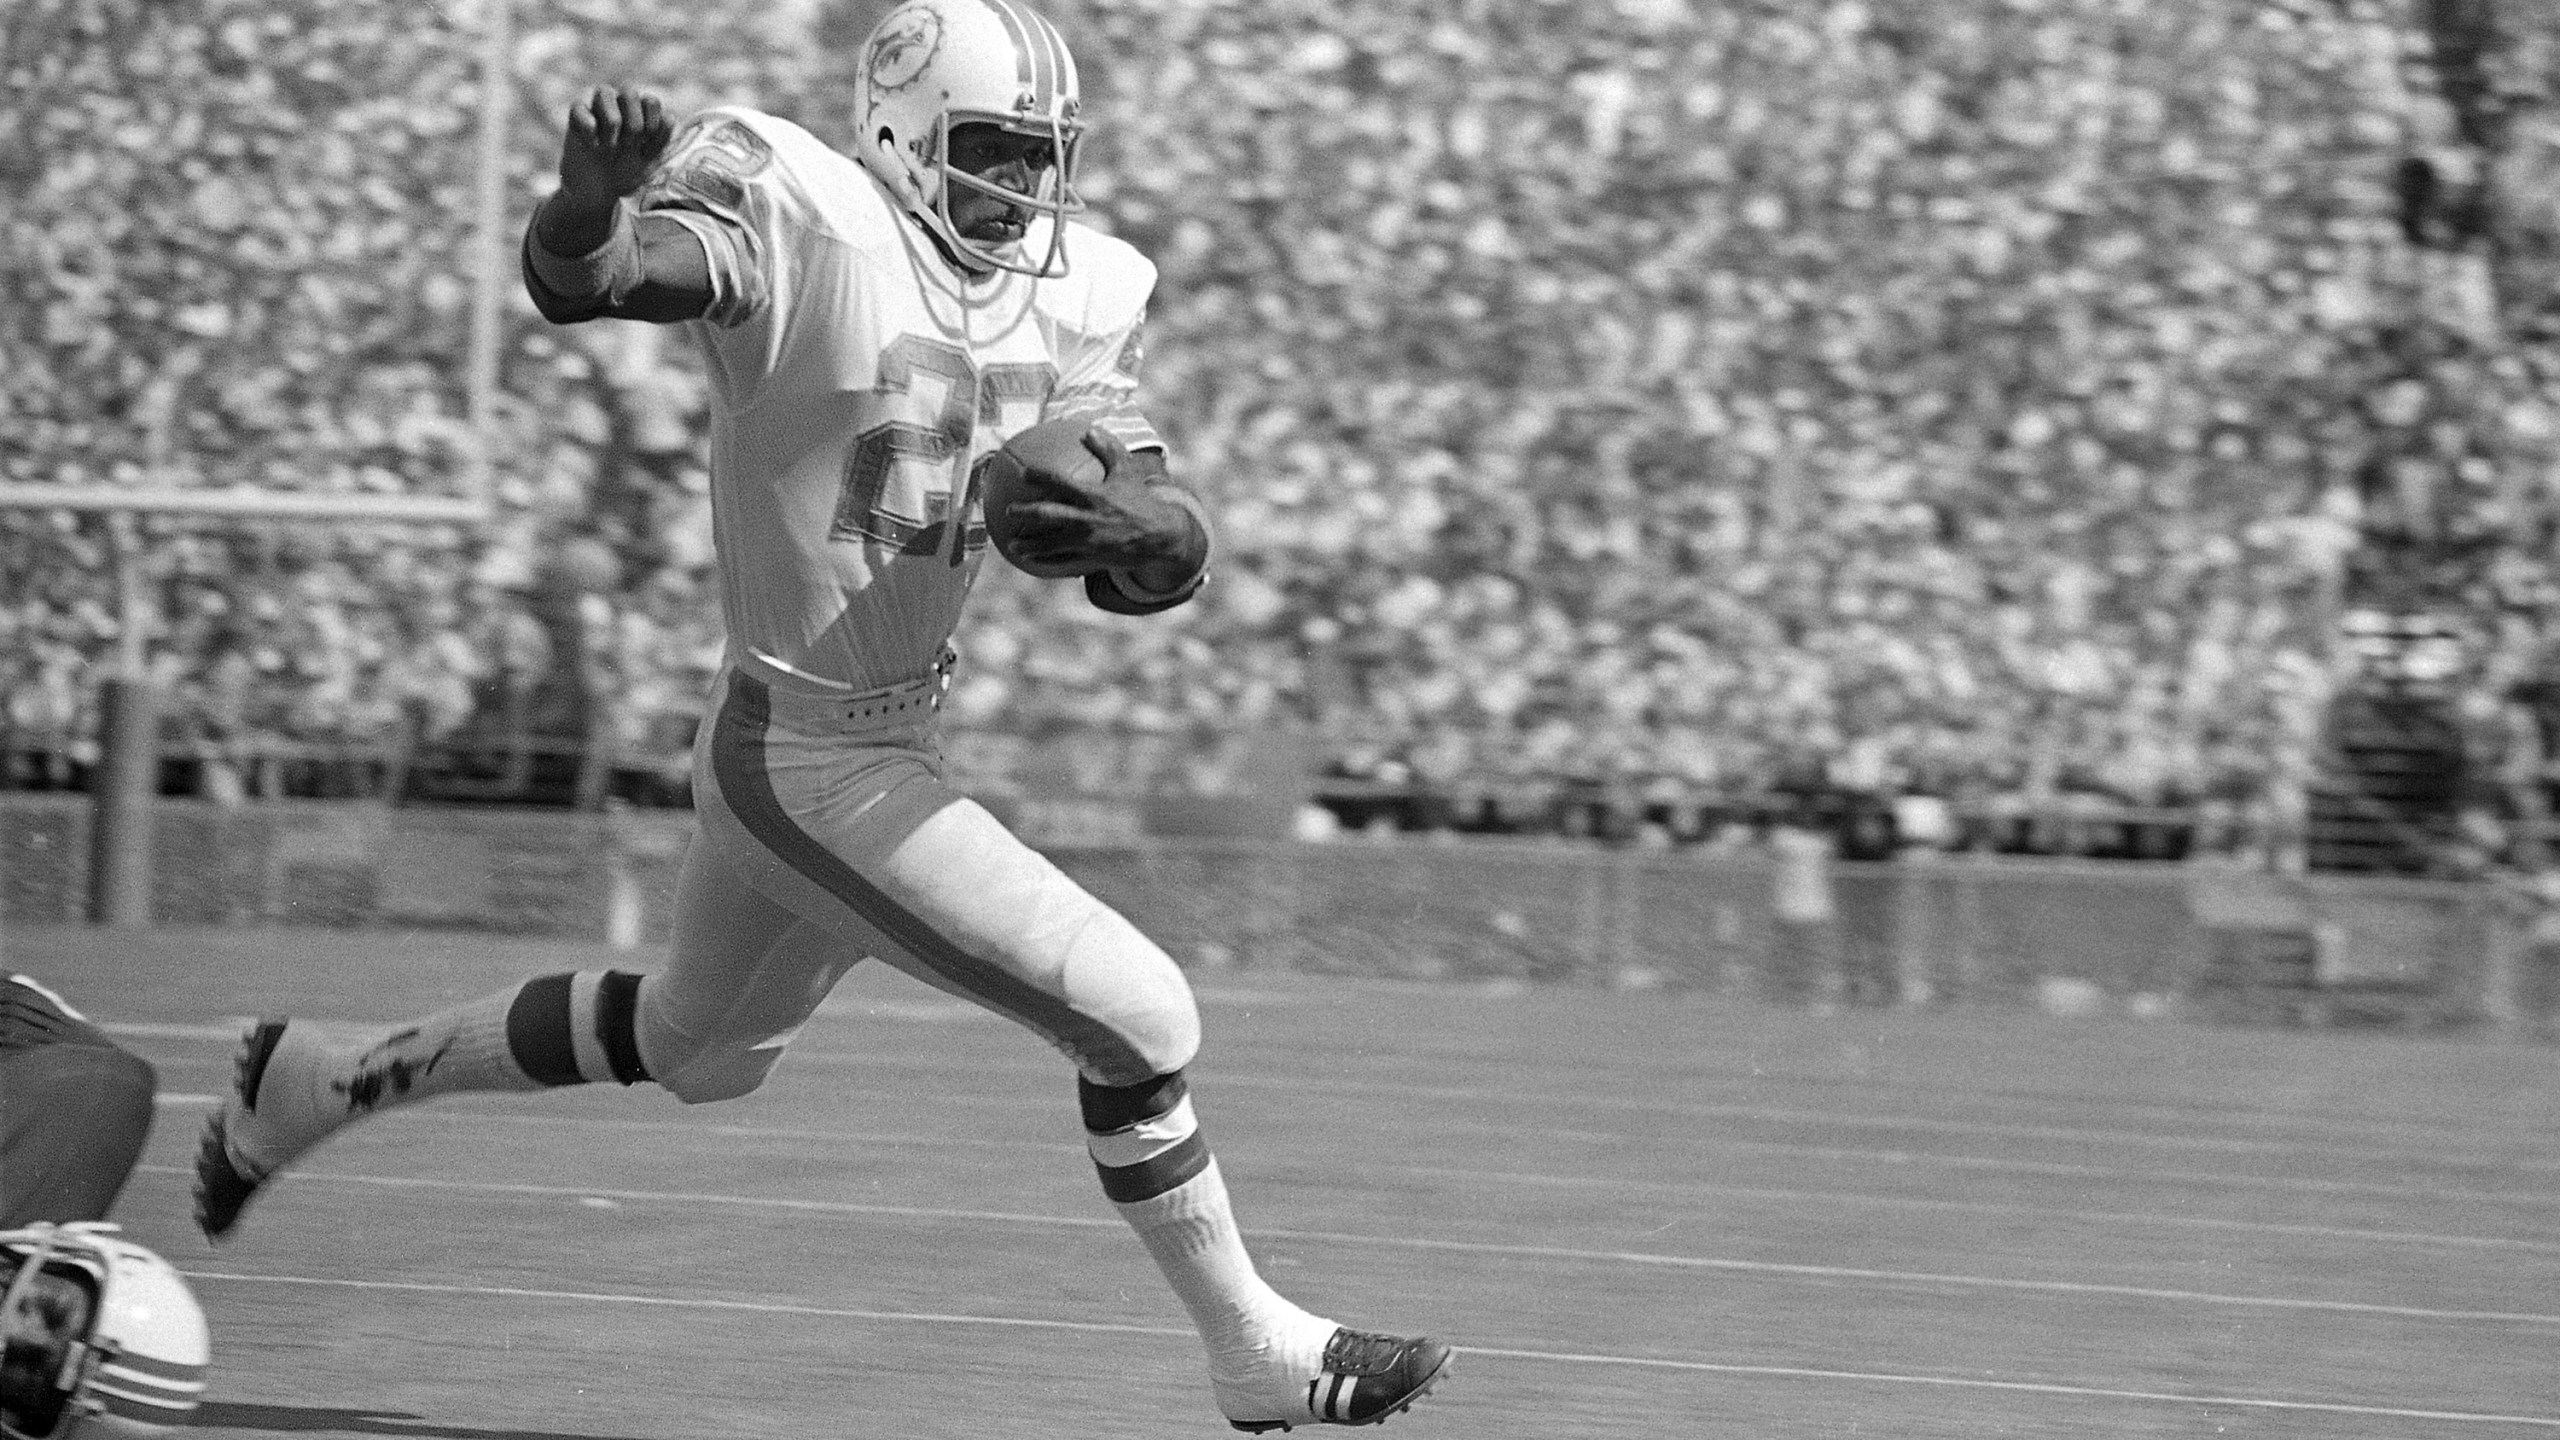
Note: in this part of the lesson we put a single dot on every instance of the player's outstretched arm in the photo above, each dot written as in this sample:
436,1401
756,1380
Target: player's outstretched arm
585,255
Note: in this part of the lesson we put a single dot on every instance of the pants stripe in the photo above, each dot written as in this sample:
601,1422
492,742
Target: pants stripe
738,764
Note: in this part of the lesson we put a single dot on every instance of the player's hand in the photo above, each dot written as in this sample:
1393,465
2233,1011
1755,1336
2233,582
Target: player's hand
613,142
1116,523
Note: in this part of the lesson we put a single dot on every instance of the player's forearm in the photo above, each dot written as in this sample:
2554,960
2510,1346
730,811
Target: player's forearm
571,224
643,268
579,258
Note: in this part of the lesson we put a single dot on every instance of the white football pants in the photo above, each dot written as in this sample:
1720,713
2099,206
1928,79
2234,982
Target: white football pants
826,835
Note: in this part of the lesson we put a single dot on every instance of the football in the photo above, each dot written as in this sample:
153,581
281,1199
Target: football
1029,463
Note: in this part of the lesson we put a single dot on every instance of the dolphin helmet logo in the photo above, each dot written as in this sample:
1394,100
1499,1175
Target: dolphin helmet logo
902,50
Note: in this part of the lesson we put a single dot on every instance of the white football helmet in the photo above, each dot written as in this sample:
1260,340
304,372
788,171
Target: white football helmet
131,1367
933,64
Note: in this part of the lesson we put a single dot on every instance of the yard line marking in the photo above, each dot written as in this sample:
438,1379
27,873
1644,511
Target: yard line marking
466,1113
1787,1372
2209,1178
805,1055
227,1031
461,1108
1643,1258
1783,1115
1685,1189
1704,1189
691,1302
1967,1382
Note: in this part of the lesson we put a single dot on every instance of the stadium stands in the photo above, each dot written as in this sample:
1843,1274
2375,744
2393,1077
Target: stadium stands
1636,420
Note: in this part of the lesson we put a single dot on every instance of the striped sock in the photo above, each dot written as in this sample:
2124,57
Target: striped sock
1157,1170
574,1028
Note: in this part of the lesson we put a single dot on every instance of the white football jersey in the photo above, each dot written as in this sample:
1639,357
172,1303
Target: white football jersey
859,379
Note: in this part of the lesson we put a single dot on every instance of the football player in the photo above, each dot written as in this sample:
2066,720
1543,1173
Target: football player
875,324
75,1108
99,1338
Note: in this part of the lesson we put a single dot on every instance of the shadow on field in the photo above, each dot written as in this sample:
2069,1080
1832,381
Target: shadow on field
227,1415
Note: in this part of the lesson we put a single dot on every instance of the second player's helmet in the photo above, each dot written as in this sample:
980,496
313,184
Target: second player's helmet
933,64
100,1339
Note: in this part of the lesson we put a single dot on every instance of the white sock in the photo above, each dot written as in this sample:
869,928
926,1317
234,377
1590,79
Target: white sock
464,1048
1262,1349
563,1029
323,1077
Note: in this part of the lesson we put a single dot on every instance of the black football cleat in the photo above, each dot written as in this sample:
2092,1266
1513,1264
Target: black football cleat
1365,1379
224,1180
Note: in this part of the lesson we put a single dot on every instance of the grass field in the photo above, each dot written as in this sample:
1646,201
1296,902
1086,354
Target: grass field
1639,1215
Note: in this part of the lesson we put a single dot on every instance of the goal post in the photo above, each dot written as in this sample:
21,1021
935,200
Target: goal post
125,787
246,503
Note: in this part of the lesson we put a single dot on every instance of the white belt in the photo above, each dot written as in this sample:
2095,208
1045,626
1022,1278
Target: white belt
860,709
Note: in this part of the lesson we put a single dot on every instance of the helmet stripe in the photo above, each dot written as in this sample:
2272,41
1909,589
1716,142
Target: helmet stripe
140,1406
1053,54
152,1367
129,1378
1032,64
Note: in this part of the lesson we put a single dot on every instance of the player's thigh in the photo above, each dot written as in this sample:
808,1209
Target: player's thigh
899,866
743,973
1012,929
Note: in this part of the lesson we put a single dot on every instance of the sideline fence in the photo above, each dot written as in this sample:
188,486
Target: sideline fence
2206,941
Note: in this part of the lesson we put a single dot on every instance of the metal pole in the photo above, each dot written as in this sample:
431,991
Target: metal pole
127,784
490,252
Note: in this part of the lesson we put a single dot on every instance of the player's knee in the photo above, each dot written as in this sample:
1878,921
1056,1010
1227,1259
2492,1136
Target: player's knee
1170,1037
698,1066
697,1072
717,1078
716,1072
1157,1039
1139,997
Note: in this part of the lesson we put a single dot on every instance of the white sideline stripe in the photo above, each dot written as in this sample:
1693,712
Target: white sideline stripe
1301,1084
1647,1259
459,1110
1704,1189
1744,1192
180,1099
692,1302
1787,1372
1836,1119
1694,1190
2210,1178
228,1031
1967,1382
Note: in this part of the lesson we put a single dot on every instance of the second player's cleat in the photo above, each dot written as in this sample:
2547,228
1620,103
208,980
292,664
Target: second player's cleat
1365,1379
270,1117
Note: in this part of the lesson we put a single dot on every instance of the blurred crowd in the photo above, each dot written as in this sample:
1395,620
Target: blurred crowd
1997,401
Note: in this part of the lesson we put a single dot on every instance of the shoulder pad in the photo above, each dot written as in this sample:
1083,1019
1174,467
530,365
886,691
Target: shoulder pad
1108,281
